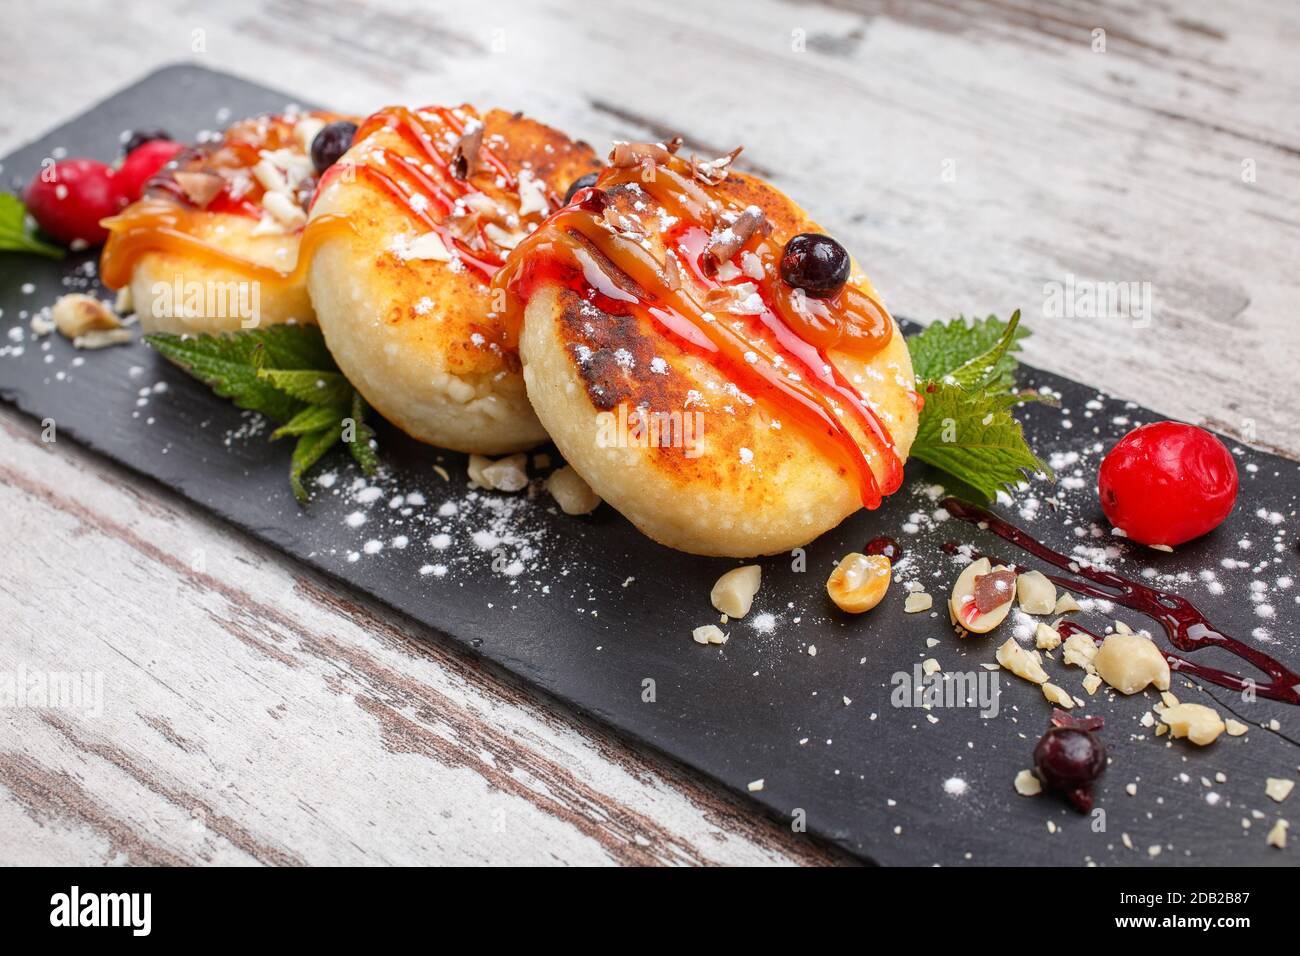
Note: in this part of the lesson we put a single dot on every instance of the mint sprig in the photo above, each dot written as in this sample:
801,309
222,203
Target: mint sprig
286,373
16,235
966,374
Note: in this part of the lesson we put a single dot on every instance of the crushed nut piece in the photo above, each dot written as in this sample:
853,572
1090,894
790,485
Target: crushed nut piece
1198,723
1278,789
1079,651
917,601
1057,695
504,474
1022,663
962,606
1277,835
1066,604
1027,785
77,314
931,666
1036,594
1046,637
102,338
756,785
859,582
1130,662
571,493
1091,683
734,591
709,634
1235,727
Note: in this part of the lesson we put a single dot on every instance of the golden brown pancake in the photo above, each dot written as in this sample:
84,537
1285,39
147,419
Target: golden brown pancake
213,245
743,474
403,296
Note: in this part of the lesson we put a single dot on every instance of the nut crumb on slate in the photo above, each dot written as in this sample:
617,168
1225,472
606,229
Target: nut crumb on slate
1027,785
709,634
1277,835
1198,723
917,601
1022,663
1131,662
733,593
1278,789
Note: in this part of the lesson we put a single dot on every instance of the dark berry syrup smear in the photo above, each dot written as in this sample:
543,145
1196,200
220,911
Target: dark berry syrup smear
1187,628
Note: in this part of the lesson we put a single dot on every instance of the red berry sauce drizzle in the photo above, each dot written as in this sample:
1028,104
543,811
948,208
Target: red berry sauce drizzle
1187,628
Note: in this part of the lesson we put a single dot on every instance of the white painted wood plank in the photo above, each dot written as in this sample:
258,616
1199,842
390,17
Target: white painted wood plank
251,711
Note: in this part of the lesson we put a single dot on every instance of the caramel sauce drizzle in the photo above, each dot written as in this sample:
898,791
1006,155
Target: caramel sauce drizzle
157,225
785,362
165,222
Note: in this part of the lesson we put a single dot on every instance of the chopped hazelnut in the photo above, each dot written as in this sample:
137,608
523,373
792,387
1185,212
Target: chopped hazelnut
1027,785
1277,835
1022,663
1046,637
1235,727
571,493
1130,662
1036,594
102,338
709,634
1066,604
734,591
1057,696
76,315
1091,683
1079,651
931,666
1198,723
917,601
1278,789
859,582
504,474
962,605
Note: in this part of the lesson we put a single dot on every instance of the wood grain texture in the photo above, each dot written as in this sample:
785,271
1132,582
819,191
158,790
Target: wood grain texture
254,713
1123,165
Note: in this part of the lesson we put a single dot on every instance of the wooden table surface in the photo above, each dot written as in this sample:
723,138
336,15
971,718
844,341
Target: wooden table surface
970,152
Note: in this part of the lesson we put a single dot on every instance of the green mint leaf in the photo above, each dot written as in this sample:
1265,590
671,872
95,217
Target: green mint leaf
16,235
311,419
308,385
983,350
307,452
294,346
226,364
362,452
972,436
286,373
994,370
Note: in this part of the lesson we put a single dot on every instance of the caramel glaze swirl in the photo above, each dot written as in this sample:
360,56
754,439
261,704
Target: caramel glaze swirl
783,359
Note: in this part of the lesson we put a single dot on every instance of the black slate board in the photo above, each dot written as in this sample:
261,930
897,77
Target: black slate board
864,774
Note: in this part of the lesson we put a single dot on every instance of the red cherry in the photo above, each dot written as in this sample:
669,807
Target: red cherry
142,164
1167,483
68,200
